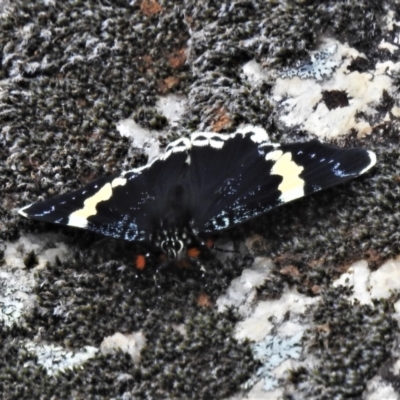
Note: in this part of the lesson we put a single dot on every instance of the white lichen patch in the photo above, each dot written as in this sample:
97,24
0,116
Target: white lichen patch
300,101
390,20
45,246
357,277
277,338
242,290
254,72
128,343
369,285
385,279
377,389
383,45
271,313
17,282
55,358
16,295
172,107
278,341
142,138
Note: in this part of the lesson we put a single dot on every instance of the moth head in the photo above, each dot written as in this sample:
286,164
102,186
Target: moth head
176,243
173,248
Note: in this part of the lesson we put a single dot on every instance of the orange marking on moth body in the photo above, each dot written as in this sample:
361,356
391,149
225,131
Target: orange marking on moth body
140,262
193,252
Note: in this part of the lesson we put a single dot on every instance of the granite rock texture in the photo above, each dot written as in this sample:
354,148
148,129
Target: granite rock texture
306,308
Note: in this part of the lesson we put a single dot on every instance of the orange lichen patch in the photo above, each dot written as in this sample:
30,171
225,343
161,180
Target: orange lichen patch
222,120
167,84
145,63
193,252
61,123
140,262
150,7
203,300
323,328
290,270
177,58
189,20
81,102
147,60
316,289
316,262
171,82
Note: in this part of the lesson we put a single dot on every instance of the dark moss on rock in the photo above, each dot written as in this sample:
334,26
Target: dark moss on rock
72,70
92,295
351,342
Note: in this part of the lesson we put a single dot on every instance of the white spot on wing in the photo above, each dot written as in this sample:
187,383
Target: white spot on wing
258,134
77,221
22,212
372,157
178,146
216,144
214,140
200,139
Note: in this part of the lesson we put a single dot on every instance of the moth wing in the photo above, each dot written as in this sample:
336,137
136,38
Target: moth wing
248,178
118,206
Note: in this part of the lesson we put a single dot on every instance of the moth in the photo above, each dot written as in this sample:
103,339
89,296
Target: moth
202,185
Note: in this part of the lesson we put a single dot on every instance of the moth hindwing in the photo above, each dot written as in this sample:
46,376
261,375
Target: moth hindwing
202,184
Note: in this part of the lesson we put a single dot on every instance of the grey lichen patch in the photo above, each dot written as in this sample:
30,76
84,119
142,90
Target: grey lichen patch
333,107
320,66
350,342
16,297
272,352
56,359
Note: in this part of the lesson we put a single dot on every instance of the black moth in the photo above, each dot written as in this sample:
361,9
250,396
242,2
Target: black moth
200,185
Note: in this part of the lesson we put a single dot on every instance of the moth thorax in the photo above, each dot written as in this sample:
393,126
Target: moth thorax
173,242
